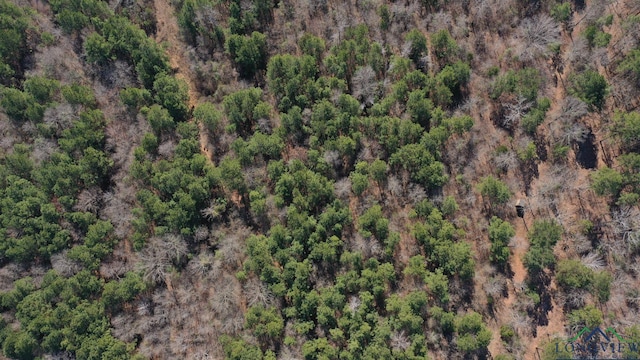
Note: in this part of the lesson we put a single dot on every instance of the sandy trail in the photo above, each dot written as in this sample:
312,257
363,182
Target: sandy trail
168,32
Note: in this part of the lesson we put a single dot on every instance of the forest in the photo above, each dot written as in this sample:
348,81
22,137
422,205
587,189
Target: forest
319,179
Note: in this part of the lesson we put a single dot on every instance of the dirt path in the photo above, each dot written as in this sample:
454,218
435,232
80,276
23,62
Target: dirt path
168,33
519,246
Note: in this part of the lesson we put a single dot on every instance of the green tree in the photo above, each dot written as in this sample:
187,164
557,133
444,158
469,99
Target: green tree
243,108
494,191
385,17
555,349
77,94
562,13
319,349
266,324
607,182
438,285
13,42
631,64
292,80
238,349
421,165
444,46
18,162
500,233
543,236
454,77
159,119
418,45
249,53
359,182
420,107
372,222
172,94
312,45
231,175
20,106
626,128
150,60
19,345
98,49
134,98
42,89
525,82
116,293
21,288
602,285
590,87
572,275
95,166
207,115
589,316
473,335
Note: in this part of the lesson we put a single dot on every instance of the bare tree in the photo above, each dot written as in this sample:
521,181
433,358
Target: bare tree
483,13
400,340
571,109
66,267
202,265
354,303
265,126
117,210
521,323
574,299
60,62
290,353
371,150
496,286
257,293
578,53
206,18
440,21
29,129
394,186
536,34
89,200
593,261
42,150
60,355
160,254
124,326
506,161
364,85
515,111
625,90
216,208
201,234
626,224
231,245
573,133
402,18
368,247
342,188
167,148
416,193
233,324
59,117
